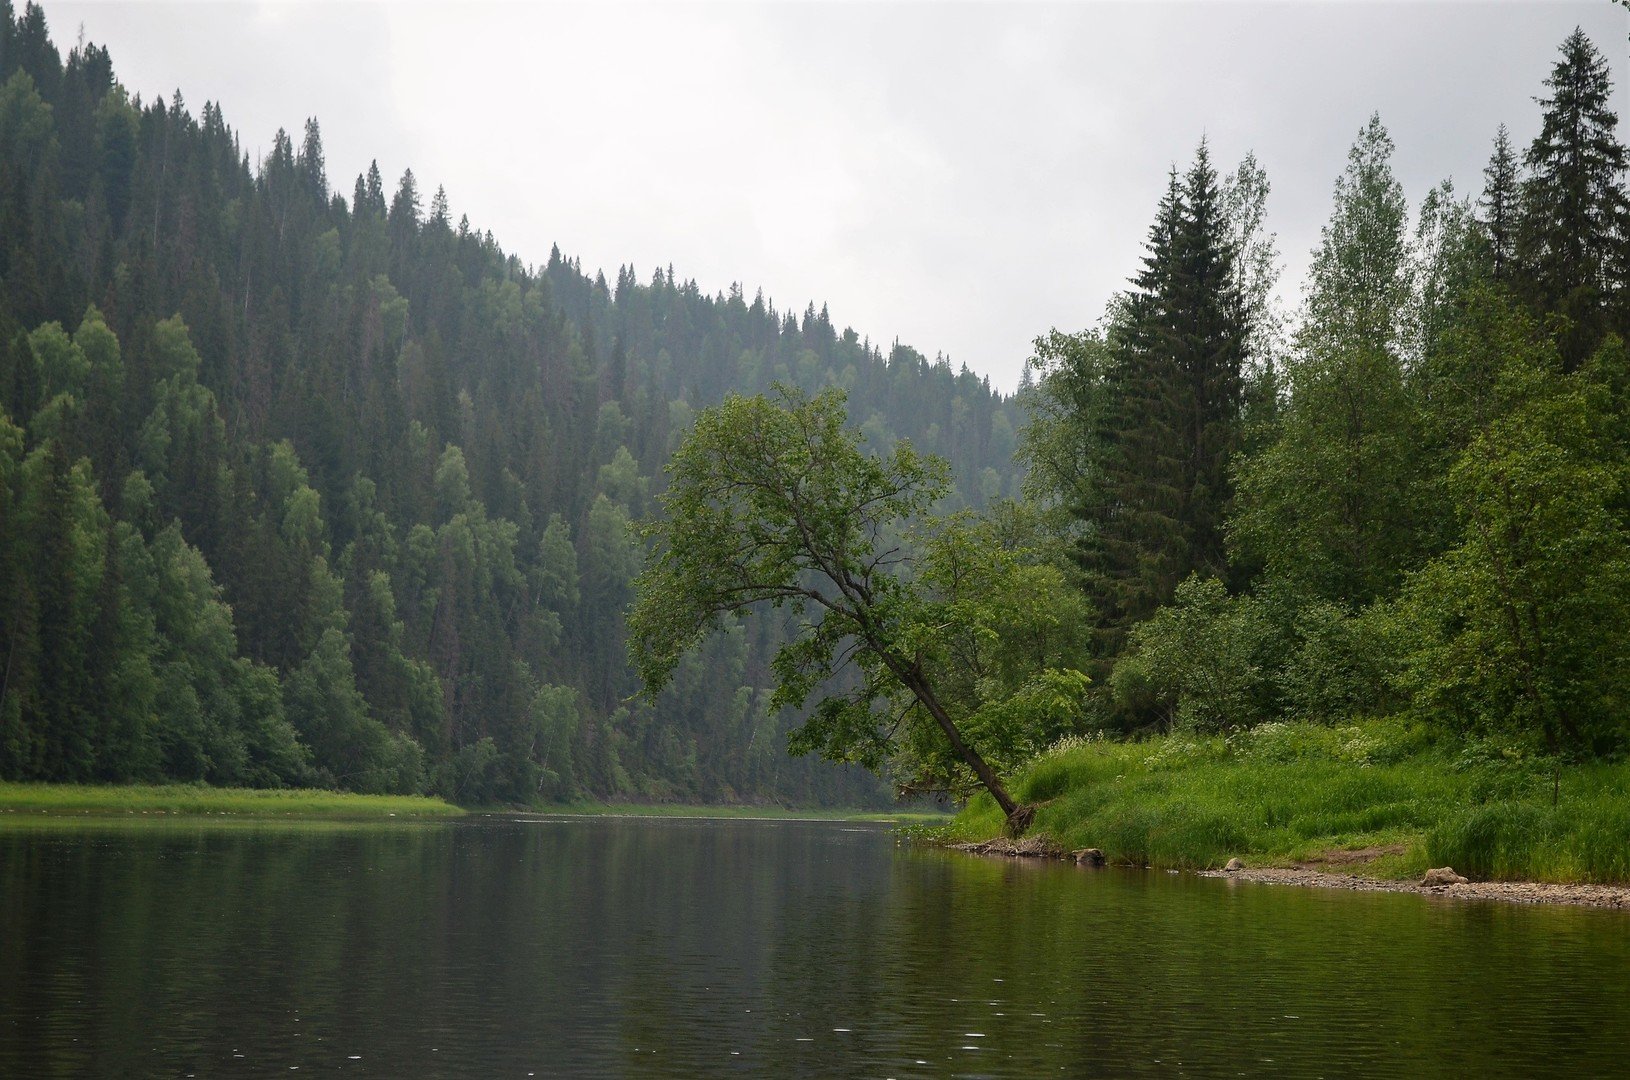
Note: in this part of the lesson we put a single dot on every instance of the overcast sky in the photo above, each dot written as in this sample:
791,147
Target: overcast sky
959,176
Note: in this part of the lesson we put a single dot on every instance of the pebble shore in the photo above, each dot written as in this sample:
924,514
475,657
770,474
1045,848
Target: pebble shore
1511,892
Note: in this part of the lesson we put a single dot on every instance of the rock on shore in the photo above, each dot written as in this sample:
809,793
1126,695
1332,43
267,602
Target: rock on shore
1443,875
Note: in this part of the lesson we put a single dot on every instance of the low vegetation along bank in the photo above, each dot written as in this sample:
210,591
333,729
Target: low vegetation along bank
1381,799
191,799
199,799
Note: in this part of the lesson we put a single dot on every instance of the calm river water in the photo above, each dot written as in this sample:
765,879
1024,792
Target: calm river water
619,947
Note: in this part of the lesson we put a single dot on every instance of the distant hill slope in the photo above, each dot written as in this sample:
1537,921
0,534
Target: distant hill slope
321,486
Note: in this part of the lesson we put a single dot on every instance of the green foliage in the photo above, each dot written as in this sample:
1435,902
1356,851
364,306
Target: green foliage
63,366
1430,514
221,718
556,715
759,495
556,567
1335,665
776,504
1499,205
1202,662
1429,427
1522,622
1330,507
997,628
452,483
1212,662
173,357
1067,411
470,776
1361,277
1364,745
331,716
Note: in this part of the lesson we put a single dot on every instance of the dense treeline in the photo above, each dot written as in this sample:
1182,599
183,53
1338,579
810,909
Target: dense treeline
300,486
1416,501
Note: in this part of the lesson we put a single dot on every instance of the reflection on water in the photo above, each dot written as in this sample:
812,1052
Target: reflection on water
696,948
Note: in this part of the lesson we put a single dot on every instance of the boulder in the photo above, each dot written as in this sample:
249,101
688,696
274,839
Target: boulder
1234,864
1443,875
1089,857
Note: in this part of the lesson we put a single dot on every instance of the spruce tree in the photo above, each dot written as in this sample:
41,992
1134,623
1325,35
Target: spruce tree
374,190
1575,214
313,173
1209,335
1156,515
1499,205
1130,548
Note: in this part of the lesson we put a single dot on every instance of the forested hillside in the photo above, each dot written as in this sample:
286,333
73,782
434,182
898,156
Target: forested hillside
303,483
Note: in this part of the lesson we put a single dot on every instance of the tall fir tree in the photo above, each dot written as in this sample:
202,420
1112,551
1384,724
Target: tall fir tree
1208,334
1500,205
1575,220
1175,384
1130,549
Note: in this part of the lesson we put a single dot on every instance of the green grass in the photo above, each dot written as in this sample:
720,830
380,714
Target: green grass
183,800
1298,793
189,800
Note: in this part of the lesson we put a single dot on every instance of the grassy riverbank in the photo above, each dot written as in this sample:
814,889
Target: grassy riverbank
190,800
1382,799
184,800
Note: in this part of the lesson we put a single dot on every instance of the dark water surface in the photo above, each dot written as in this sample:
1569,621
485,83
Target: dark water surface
617,947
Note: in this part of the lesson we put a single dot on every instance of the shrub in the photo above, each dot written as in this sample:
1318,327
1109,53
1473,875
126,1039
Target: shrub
1201,662
1336,667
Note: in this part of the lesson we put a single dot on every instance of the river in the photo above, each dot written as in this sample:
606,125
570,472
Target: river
501,947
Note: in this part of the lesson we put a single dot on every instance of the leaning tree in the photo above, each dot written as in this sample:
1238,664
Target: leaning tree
910,627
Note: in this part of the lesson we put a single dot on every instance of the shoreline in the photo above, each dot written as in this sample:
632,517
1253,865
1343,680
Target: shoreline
1613,897
26,801
1381,801
1606,897
69,802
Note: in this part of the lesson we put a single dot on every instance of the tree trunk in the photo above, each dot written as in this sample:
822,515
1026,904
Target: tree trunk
1018,817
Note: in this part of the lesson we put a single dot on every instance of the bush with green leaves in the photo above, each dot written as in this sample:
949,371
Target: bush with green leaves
1204,662
1336,665
1524,625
